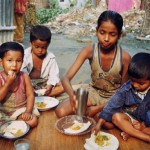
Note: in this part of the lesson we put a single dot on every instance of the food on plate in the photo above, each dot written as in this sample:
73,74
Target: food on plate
18,133
77,127
15,129
102,140
40,104
44,103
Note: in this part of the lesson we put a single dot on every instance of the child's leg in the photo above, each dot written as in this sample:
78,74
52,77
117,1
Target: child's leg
93,110
64,109
34,122
136,125
123,122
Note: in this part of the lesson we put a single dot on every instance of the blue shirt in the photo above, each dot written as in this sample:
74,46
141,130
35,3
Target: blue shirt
125,98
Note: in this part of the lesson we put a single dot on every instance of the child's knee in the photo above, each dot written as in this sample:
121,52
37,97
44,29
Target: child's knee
33,123
116,118
60,112
64,109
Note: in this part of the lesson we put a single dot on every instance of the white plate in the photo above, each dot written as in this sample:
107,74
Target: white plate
112,143
10,128
49,101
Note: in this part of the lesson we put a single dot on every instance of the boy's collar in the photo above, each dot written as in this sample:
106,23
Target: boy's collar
142,93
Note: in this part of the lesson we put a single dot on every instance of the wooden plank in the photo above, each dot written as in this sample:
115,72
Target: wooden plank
46,137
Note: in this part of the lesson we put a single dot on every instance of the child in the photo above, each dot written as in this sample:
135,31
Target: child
108,62
40,64
131,102
16,92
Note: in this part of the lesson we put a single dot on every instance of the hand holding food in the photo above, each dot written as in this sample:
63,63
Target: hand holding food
48,89
10,73
11,77
98,126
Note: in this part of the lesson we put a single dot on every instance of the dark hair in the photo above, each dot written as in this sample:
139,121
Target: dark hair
40,32
11,46
114,17
139,66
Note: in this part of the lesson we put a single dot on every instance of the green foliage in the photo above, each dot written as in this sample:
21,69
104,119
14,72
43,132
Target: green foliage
45,15
88,3
73,3
53,3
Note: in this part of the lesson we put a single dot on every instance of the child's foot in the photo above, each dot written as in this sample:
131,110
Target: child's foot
125,136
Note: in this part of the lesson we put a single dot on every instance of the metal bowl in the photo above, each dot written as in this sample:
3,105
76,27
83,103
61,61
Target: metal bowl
67,121
6,124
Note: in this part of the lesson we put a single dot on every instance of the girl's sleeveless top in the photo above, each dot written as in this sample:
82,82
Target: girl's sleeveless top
106,82
14,100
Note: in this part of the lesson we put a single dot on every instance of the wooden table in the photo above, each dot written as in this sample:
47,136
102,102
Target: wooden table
48,138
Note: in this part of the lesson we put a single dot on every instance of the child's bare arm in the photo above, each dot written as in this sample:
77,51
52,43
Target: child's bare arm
29,94
5,88
85,53
98,126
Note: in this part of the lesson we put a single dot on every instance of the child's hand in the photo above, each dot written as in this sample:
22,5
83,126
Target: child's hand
138,125
48,89
11,77
98,126
26,116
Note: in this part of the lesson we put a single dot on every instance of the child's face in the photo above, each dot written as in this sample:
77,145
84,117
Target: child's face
107,35
12,61
39,47
140,85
